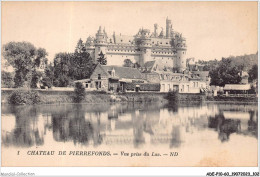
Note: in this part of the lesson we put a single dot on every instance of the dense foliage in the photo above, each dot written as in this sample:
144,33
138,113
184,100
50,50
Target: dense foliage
68,67
102,59
172,96
253,73
7,79
20,97
24,58
128,63
228,70
225,73
82,64
79,92
244,62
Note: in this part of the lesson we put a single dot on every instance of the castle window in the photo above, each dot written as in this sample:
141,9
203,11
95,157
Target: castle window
161,43
121,40
166,42
183,52
99,76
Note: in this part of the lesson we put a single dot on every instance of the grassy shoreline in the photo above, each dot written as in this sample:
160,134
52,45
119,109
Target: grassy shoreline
61,97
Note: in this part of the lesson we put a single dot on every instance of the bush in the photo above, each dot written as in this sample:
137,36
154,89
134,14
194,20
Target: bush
46,82
20,97
172,96
79,92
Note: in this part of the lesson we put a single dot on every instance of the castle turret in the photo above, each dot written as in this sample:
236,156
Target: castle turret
100,43
155,30
161,34
181,49
145,46
168,28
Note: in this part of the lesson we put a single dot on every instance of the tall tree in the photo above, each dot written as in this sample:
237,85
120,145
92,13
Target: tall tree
61,69
253,73
24,58
48,76
82,62
102,59
225,73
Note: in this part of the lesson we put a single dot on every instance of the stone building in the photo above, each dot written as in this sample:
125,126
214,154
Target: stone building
167,47
113,78
186,82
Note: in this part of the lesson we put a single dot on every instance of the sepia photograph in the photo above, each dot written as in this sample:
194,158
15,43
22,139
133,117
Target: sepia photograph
129,84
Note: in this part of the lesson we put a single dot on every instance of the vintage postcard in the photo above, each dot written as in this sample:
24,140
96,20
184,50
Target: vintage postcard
129,84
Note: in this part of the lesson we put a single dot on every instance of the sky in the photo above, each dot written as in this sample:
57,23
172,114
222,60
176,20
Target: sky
212,29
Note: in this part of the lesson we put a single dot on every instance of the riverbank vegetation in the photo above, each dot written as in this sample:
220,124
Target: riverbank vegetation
24,97
59,97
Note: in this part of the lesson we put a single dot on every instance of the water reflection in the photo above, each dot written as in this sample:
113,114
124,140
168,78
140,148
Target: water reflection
129,124
224,127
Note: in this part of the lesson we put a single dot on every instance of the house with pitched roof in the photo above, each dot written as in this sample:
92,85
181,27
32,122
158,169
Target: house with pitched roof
186,82
117,79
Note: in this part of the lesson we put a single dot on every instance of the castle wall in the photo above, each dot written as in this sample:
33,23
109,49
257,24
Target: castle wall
117,58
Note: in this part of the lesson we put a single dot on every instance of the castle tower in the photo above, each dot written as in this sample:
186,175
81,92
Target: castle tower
181,49
145,46
168,28
100,43
155,30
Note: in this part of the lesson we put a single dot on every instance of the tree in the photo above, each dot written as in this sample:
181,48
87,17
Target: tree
101,59
128,63
253,73
79,92
48,76
7,79
71,66
137,65
24,58
36,76
62,69
225,73
82,63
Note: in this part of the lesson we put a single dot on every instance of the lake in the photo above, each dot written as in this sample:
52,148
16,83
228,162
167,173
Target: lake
202,134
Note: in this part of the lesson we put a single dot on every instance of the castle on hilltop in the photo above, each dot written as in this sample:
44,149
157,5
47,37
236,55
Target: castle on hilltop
168,48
